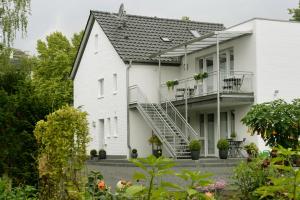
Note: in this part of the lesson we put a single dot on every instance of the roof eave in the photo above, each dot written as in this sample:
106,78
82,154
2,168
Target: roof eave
82,45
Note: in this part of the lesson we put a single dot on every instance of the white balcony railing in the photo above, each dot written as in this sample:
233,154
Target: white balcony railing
233,82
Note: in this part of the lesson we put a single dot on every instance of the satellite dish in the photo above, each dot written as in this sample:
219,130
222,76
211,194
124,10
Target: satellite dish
121,10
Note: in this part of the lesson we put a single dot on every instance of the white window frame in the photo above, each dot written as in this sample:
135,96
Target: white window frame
96,43
108,127
100,88
116,126
115,83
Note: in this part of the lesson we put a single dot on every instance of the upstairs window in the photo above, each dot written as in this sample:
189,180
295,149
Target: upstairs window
195,33
115,83
115,126
101,88
96,43
166,39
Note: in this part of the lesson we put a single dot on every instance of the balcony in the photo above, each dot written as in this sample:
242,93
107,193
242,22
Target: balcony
232,84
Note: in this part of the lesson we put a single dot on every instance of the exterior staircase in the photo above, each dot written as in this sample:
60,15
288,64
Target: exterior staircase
167,123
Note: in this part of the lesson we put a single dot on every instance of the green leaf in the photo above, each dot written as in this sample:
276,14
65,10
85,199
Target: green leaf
135,189
192,192
139,176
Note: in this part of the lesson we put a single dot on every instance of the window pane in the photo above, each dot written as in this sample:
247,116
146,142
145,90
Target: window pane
101,87
231,61
115,82
224,127
116,126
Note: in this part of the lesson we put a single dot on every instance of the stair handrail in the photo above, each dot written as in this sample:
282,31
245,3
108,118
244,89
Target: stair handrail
177,113
141,94
172,152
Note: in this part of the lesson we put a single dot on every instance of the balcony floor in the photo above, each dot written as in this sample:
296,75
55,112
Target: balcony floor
226,99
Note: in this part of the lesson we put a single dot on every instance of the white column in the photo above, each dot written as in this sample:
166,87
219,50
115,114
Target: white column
159,80
218,88
186,92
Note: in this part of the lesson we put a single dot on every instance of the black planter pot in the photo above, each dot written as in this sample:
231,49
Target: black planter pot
195,155
223,153
157,152
134,155
94,157
102,155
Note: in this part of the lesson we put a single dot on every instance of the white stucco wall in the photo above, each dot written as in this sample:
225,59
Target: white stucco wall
278,60
94,66
146,76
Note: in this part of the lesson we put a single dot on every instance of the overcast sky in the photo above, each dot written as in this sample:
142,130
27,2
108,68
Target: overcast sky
70,16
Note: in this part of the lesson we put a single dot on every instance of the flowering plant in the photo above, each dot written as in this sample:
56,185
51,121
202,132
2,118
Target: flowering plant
214,187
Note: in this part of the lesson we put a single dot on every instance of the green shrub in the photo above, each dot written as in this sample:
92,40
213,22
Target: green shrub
16,193
93,153
248,176
285,184
195,145
233,134
251,149
223,144
134,151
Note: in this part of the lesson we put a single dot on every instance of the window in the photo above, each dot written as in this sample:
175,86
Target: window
115,82
116,126
231,61
165,39
96,43
195,33
101,88
108,127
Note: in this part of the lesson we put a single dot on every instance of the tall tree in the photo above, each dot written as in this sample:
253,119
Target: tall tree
54,63
295,12
19,111
13,17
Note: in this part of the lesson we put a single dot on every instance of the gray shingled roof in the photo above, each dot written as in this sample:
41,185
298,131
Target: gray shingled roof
140,37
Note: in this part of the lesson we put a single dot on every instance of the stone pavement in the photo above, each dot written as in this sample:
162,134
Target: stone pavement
114,172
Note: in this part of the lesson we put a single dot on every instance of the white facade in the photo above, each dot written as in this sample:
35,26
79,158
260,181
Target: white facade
271,53
100,61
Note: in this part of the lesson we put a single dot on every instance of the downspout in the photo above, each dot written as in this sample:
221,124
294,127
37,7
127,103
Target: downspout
127,91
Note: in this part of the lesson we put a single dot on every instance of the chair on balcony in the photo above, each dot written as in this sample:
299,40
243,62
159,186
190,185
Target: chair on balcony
233,84
180,92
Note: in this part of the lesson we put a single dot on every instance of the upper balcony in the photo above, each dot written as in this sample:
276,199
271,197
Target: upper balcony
236,84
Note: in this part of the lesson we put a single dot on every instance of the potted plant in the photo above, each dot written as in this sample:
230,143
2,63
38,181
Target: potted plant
251,149
171,84
223,146
200,76
233,135
156,145
195,147
134,153
102,154
93,154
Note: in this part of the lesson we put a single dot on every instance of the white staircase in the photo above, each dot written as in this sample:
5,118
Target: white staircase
166,122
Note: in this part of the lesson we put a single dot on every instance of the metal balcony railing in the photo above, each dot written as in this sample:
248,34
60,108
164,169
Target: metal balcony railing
231,82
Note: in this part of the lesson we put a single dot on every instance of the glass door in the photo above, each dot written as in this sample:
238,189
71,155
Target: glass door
211,134
209,62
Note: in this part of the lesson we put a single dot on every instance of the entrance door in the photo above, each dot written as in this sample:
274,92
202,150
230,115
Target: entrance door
211,134
101,134
209,61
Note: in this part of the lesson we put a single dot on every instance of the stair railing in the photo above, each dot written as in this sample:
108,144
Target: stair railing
139,99
180,121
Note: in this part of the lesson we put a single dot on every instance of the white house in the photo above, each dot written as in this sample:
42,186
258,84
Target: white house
124,62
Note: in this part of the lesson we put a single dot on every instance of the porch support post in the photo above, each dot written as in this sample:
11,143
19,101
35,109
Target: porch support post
159,80
218,88
186,94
